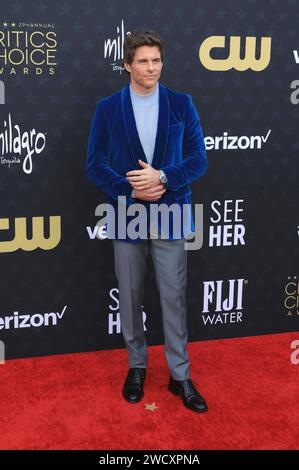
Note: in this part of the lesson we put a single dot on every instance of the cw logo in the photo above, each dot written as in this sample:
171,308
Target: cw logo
38,240
234,61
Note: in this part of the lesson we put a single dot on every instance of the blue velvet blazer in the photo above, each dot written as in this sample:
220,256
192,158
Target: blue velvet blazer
114,148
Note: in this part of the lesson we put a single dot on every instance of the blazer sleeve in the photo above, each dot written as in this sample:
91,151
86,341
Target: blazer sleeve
98,166
195,161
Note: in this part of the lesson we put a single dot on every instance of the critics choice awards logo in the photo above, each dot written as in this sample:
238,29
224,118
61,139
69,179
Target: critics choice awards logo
27,49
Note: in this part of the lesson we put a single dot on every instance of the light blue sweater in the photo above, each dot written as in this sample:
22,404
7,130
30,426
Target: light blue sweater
146,111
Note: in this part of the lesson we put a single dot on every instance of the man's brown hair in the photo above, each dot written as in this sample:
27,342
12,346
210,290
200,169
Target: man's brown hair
138,39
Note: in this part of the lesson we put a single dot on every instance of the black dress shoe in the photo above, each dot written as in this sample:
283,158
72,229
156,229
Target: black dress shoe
190,396
133,386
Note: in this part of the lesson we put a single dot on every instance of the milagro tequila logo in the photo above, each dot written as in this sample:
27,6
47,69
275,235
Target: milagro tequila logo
114,48
223,301
18,147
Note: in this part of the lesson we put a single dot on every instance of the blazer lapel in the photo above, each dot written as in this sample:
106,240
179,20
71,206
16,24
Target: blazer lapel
132,132
130,126
162,129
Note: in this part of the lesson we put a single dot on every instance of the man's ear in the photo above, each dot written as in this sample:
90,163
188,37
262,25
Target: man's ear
127,67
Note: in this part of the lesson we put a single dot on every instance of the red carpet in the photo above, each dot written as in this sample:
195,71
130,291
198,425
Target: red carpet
74,401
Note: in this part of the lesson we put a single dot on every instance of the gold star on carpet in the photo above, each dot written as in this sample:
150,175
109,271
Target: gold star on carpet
151,407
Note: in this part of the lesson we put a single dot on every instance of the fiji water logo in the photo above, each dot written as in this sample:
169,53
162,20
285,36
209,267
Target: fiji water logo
223,301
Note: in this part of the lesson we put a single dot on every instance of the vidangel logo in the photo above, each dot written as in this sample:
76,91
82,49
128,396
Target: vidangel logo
35,320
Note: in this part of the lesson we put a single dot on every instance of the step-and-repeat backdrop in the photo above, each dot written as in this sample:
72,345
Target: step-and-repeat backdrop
240,63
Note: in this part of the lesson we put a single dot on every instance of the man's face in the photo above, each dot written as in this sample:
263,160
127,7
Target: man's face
146,68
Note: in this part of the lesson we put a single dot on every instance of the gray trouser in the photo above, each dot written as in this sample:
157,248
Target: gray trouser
170,263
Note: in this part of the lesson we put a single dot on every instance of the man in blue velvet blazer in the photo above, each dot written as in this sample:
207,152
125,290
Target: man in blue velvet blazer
146,146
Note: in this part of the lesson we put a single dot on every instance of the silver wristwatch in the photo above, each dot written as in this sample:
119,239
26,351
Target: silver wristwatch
163,177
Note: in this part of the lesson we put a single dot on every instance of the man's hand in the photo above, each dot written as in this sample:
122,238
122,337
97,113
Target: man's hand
146,178
151,194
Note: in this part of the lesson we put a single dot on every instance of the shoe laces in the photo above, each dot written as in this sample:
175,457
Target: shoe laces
189,388
136,375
